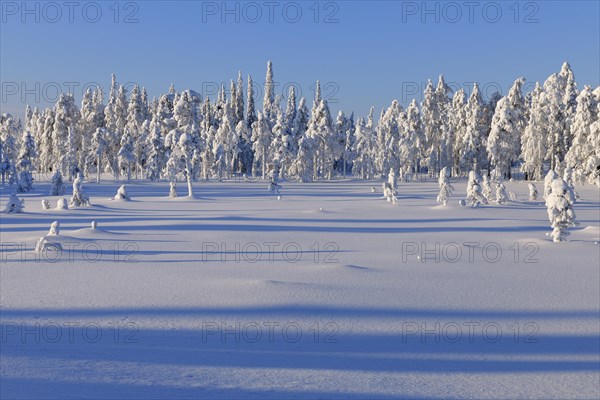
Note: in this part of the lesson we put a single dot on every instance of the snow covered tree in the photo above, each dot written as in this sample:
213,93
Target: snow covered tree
550,177
303,166
458,121
533,193
412,140
582,148
65,139
261,140
474,195
501,195
486,187
364,165
80,197
560,210
69,163
27,155
186,147
445,187
269,99
99,147
155,163
8,148
472,154
126,154
58,187
504,141
533,143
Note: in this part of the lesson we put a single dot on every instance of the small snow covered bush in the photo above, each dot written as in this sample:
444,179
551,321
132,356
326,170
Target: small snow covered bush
45,204
62,204
560,210
14,205
54,228
122,193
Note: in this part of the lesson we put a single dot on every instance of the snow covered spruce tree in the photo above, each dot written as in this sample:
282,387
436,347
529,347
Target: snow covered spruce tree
58,187
9,128
445,187
126,155
261,140
560,210
80,197
582,157
533,143
501,195
550,177
472,153
25,161
533,193
504,141
474,195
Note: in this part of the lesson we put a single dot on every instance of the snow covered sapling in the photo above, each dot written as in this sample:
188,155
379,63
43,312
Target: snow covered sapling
533,193
550,177
14,205
122,193
45,204
445,187
487,187
54,228
274,187
568,178
389,188
172,189
501,195
474,195
94,225
560,210
58,187
79,198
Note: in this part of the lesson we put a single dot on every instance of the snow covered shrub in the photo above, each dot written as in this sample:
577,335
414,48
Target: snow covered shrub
172,189
45,204
62,204
568,178
122,194
14,205
487,187
389,193
445,186
392,180
79,198
58,188
474,195
54,228
560,210
550,177
533,193
94,224
501,196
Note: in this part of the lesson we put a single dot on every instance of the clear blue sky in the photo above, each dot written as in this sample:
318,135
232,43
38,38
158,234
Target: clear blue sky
368,53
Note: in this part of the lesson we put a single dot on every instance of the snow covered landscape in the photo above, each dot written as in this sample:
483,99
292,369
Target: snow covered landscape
267,241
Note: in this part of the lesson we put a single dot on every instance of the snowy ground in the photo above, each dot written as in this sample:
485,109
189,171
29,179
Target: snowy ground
356,306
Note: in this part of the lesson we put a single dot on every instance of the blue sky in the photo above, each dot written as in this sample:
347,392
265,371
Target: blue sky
364,53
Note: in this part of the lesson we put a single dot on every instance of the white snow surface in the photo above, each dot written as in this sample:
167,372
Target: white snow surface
159,315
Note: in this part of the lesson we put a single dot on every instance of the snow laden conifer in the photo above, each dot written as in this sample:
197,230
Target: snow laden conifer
445,187
126,155
560,210
261,141
80,197
533,142
550,177
533,193
390,188
501,195
486,187
472,154
58,187
582,155
25,161
504,141
475,196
